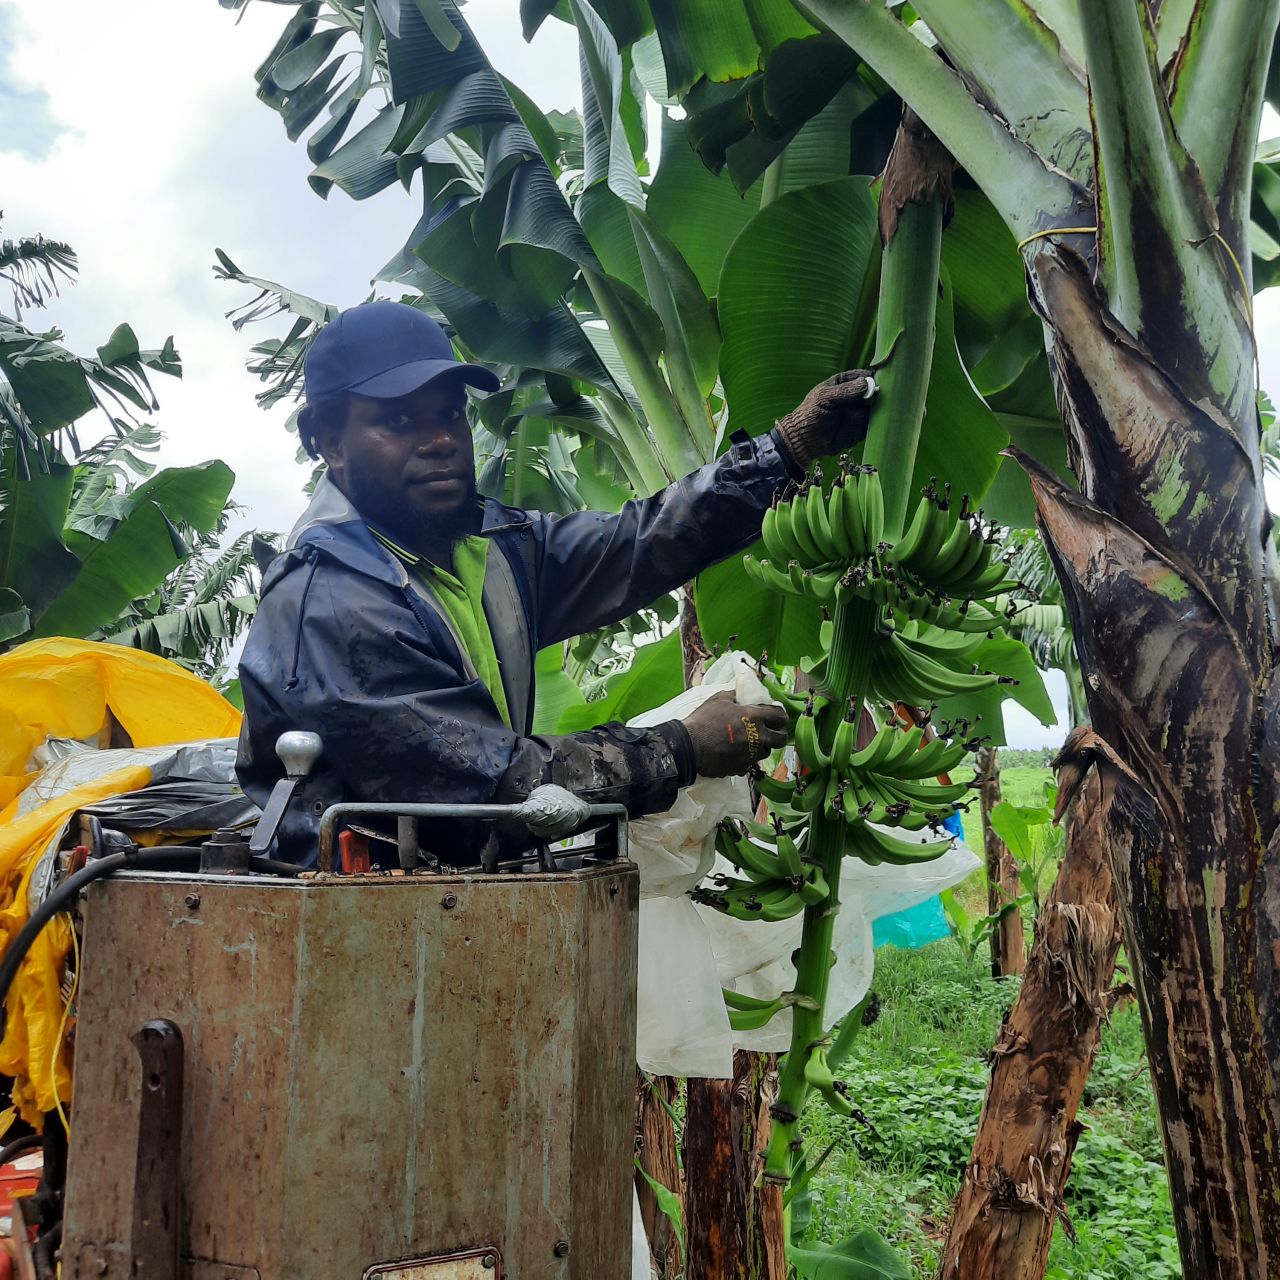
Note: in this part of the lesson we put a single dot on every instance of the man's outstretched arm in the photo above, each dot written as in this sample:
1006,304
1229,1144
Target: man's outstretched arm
598,568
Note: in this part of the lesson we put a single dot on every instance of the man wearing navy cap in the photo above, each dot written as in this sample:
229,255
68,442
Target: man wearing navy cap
402,620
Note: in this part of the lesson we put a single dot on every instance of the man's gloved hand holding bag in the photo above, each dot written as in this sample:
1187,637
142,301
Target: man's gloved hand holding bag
728,737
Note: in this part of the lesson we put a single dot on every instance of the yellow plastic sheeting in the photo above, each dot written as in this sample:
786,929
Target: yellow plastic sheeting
72,689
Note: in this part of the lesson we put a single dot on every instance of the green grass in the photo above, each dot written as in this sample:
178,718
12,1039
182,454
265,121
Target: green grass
919,1076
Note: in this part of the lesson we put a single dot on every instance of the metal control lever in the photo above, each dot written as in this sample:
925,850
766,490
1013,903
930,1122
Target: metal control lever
298,752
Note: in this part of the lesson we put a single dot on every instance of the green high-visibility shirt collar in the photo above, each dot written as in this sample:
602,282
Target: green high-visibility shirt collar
460,595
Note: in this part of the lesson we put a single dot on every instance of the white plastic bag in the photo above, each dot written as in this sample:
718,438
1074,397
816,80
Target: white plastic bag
687,952
682,1028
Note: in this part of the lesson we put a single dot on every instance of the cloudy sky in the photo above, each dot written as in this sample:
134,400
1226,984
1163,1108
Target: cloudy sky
131,131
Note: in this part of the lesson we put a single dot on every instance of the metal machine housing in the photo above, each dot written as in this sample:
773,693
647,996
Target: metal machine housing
376,1069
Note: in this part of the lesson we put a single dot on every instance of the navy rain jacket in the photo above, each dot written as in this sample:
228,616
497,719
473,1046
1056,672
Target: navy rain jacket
344,645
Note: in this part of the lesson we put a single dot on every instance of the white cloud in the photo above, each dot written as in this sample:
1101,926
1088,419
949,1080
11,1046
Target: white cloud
153,150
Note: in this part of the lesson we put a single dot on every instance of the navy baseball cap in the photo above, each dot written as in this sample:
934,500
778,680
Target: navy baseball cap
383,350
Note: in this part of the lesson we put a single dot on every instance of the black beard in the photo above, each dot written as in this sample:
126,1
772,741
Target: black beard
423,534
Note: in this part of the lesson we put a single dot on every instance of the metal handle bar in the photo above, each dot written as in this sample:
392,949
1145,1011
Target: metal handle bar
491,812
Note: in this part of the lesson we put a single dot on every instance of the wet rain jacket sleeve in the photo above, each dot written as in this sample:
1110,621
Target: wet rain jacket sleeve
608,566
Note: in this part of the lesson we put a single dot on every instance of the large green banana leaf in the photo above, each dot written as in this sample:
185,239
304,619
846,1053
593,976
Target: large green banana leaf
139,552
34,560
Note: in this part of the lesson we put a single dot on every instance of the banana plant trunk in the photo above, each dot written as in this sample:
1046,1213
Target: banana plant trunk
1013,1186
657,1157
733,1220
1170,599
1008,945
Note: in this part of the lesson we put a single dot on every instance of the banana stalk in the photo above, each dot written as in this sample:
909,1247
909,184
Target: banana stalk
913,202
848,675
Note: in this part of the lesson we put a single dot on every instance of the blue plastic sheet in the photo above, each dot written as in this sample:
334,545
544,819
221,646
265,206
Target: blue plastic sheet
919,925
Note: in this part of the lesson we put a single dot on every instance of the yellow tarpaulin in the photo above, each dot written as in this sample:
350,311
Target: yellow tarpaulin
109,696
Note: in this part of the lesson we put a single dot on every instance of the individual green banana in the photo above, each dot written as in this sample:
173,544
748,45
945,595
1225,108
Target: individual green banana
745,1004
851,517
754,1019
841,539
769,534
789,856
818,1076
845,739
817,520
871,502
874,846
807,744
784,523
908,545
810,553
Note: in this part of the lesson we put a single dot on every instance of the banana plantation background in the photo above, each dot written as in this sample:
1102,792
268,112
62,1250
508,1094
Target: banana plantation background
1042,223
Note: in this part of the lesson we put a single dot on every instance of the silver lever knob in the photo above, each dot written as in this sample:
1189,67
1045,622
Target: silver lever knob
298,751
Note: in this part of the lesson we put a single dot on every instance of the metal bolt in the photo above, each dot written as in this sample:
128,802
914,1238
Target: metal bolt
193,901
449,901
488,1262
562,1249
613,890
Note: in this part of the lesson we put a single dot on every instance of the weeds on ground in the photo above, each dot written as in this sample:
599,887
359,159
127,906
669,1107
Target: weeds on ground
919,1076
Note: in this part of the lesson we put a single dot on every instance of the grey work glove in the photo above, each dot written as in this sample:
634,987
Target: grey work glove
728,738
832,417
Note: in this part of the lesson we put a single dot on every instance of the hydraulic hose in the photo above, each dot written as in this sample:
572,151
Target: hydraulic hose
19,1147
160,858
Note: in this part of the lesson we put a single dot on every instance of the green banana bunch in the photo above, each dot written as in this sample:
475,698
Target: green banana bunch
891,802
777,883
904,672
951,552
815,528
874,847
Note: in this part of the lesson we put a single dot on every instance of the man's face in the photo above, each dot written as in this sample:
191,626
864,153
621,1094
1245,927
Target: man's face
407,464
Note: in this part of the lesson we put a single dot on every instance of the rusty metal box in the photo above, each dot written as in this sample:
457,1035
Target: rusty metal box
376,1069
